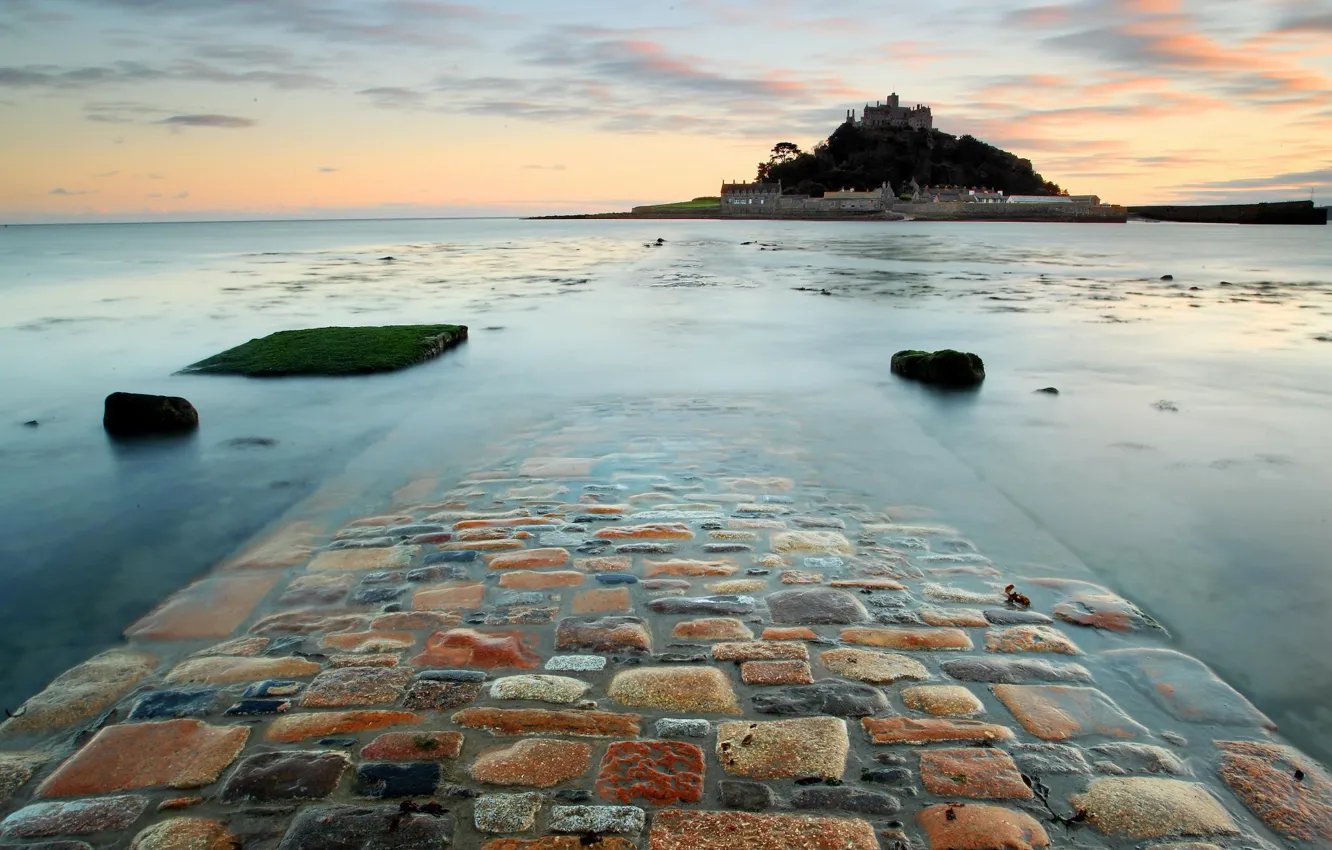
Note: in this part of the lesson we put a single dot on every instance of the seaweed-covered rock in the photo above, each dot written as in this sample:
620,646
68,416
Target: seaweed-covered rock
947,368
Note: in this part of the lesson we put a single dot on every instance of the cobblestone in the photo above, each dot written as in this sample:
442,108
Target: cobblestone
169,753
387,662
534,763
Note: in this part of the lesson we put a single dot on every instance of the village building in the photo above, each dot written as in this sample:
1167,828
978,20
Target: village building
750,199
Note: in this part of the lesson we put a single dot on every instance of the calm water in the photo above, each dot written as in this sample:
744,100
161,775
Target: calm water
1209,510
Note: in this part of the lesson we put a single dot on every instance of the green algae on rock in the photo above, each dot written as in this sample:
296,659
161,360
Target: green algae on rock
335,351
947,368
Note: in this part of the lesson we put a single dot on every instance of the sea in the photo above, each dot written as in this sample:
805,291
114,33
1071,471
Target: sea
1184,461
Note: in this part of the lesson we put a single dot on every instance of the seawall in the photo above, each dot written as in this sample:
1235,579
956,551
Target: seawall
1288,212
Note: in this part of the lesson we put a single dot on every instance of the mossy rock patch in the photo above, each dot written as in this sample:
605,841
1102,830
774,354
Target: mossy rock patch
335,351
947,368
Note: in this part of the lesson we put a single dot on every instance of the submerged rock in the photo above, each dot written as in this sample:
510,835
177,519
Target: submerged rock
136,415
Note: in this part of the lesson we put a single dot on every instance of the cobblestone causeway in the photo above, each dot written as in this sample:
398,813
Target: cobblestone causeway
665,639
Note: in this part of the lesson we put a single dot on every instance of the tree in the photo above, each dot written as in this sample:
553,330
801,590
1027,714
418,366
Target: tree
783,152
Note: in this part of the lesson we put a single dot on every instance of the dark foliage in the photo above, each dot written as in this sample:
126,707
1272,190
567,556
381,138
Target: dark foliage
857,158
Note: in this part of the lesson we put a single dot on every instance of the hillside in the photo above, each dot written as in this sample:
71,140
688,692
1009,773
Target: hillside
856,158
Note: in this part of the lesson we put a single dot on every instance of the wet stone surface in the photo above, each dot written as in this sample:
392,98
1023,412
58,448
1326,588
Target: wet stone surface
273,777
670,640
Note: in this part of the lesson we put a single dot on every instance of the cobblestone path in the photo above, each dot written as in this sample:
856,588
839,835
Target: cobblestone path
674,641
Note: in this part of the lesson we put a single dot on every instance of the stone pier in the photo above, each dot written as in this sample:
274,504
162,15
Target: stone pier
674,641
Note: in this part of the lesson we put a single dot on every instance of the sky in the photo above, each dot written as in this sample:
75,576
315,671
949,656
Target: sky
206,109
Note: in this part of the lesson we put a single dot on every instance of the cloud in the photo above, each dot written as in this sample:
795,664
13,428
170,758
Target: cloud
122,73
180,195
394,97
55,77
60,191
1287,180
652,66
555,167
396,23
229,122
326,169
121,111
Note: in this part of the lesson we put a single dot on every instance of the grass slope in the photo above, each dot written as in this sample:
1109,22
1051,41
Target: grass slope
696,204
335,351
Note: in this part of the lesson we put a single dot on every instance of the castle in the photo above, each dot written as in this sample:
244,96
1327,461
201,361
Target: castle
893,114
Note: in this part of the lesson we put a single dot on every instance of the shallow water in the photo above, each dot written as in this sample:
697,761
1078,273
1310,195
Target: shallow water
1212,516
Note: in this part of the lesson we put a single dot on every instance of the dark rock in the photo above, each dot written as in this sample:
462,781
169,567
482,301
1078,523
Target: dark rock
1014,671
616,578
887,775
390,779
452,675
720,548
1014,617
725,604
1049,760
250,443
1167,277
415,529
377,595
645,549
338,742
49,845
366,828
757,571
1166,406
165,704
135,415
847,800
681,658
840,699
254,707
435,573
31,423
461,557
260,826
293,775
947,368
745,796
573,795
816,606
1049,390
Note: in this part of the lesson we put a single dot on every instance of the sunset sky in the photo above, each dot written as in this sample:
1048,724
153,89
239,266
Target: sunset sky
196,109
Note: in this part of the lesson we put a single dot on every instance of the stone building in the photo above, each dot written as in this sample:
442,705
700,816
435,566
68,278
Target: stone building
750,199
892,113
